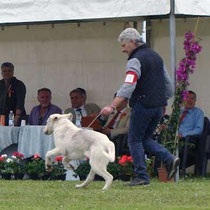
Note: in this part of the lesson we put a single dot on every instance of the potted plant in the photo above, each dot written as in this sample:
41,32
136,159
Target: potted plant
82,170
6,167
170,138
114,168
18,165
186,67
126,170
2,162
58,171
36,168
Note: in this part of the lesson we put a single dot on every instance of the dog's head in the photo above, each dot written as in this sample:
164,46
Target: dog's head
53,119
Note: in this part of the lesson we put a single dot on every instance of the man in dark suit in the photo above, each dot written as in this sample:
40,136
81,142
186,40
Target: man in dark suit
78,98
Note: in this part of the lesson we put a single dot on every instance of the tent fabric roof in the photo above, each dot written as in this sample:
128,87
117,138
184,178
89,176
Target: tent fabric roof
23,11
192,7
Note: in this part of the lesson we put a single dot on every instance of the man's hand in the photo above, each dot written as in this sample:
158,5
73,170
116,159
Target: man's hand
107,110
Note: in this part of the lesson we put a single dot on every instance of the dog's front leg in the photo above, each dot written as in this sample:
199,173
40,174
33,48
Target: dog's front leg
66,163
48,162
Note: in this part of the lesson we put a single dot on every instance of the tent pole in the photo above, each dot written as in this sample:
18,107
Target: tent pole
173,55
173,41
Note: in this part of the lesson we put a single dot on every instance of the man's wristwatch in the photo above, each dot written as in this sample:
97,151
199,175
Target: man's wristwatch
113,108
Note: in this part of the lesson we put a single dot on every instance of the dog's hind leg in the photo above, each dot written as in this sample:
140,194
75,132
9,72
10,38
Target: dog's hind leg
100,169
89,178
107,177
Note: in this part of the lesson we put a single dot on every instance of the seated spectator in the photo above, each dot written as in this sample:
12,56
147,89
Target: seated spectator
191,125
192,118
78,99
39,114
116,128
12,94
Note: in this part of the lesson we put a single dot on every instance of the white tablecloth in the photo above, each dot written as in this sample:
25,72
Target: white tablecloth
32,140
8,135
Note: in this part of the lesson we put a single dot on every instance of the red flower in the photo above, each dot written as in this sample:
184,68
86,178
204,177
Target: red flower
18,155
130,159
125,159
1,159
37,156
58,159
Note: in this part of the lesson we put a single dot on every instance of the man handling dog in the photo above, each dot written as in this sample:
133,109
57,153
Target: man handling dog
147,86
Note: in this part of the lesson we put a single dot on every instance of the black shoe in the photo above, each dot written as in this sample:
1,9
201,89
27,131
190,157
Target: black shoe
172,167
137,181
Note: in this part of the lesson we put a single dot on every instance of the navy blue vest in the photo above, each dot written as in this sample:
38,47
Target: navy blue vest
150,90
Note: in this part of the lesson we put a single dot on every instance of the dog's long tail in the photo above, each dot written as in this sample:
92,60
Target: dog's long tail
110,153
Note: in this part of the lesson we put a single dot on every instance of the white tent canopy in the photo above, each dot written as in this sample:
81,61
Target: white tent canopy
192,7
18,11
26,11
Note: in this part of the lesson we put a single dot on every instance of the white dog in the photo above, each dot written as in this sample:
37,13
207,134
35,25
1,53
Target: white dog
75,143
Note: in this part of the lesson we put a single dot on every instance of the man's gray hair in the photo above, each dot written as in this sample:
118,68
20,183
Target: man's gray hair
130,34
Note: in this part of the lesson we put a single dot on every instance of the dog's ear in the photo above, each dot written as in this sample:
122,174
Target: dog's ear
69,116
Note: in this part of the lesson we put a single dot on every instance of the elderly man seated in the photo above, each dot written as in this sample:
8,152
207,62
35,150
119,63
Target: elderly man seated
78,99
191,126
39,114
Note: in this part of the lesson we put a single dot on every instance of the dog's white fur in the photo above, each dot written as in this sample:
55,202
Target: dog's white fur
75,143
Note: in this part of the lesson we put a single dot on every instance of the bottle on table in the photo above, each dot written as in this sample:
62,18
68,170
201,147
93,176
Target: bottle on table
11,118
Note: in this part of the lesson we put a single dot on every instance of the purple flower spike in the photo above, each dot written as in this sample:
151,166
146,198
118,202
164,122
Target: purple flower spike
187,64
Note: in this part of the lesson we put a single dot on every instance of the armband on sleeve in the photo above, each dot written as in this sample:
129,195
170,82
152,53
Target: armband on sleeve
131,77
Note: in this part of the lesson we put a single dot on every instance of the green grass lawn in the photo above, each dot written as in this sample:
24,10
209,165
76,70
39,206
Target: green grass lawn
27,194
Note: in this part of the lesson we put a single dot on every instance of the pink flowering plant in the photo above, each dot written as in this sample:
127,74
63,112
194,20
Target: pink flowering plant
185,68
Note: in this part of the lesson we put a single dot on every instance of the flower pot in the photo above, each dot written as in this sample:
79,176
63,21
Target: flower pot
45,177
59,177
125,178
62,177
6,176
82,177
18,176
33,176
162,174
